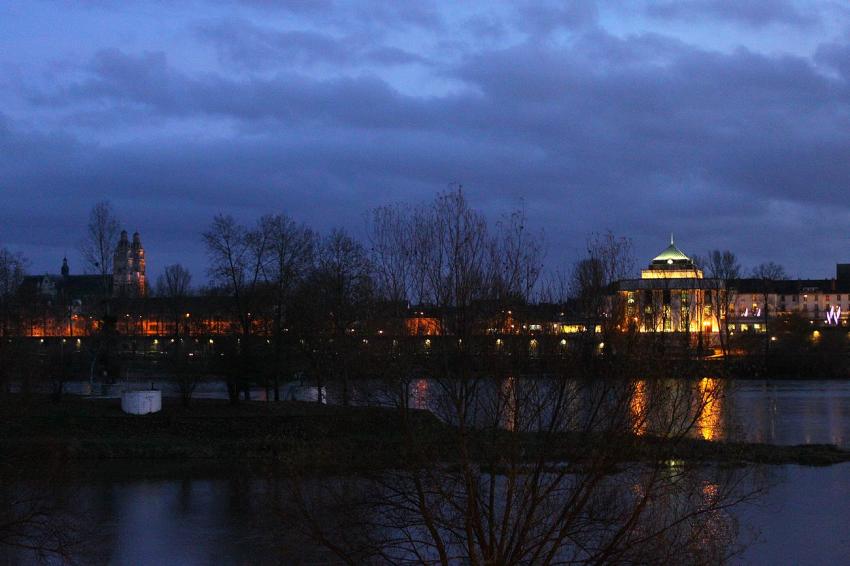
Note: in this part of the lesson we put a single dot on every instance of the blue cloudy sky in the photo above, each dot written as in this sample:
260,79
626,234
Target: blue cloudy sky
724,121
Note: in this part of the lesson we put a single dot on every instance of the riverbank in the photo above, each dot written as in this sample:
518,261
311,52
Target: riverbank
210,431
215,434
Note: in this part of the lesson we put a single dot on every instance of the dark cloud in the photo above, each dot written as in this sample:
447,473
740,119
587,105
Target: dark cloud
370,13
835,56
640,132
754,13
257,47
544,17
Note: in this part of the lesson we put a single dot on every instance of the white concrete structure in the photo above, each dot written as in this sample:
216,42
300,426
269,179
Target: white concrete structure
141,402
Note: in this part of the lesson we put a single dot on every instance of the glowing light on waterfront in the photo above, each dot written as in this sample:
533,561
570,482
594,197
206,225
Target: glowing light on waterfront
637,407
709,422
420,394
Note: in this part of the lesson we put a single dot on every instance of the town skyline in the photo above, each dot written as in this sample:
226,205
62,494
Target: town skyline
198,264
424,282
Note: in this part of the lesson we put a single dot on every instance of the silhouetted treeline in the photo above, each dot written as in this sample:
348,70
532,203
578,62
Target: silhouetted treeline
433,286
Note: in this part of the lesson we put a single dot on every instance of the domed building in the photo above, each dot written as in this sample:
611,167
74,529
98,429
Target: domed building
671,296
671,263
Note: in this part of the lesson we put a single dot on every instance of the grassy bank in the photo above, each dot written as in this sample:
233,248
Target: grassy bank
306,435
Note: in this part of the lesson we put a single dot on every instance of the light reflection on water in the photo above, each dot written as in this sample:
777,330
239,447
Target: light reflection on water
709,424
705,400
783,412
249,521
802,519
767,411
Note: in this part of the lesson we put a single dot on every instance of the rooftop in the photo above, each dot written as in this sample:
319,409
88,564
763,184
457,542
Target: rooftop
671,254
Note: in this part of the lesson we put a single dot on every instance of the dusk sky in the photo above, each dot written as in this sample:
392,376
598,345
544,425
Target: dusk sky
726,122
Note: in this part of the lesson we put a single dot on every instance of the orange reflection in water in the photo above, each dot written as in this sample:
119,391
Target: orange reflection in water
510,402
709,492
420,394
637,407
709,424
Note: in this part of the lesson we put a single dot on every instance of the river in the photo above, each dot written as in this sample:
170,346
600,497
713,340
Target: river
804,518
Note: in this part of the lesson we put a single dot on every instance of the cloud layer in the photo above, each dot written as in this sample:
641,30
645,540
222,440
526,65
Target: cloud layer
725,122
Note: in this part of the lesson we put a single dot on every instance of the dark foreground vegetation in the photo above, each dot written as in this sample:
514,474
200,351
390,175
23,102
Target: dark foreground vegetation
321,438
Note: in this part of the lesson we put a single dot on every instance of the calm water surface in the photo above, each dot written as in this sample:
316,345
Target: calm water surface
793,412
803,519
770,411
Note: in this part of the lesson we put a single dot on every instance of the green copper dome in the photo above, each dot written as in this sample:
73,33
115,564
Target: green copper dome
671,255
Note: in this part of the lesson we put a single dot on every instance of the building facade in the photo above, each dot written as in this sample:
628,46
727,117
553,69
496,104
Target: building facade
672,295
820,302
60,304
128,278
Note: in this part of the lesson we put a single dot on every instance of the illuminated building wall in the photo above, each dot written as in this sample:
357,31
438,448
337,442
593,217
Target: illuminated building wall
129,279
823,302
671,296
422,326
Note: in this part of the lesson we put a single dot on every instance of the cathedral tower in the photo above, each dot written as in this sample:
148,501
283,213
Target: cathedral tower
128,277
137,263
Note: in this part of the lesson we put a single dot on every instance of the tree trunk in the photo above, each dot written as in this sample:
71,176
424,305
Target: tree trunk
233,391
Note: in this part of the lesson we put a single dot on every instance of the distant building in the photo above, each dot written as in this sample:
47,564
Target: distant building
671,263
127,280
128,275
823,302
66,288
671,296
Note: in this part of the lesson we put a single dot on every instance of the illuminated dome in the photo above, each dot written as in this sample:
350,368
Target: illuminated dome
671,255
672,262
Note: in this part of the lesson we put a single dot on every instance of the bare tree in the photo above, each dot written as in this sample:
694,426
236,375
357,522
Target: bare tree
517,259
724,269
392,245
609,259
187,369
291,251
174,285
557,286
98,246
12,271
767,273
175,281
532,470
454,251
344,290
237,256
33,527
